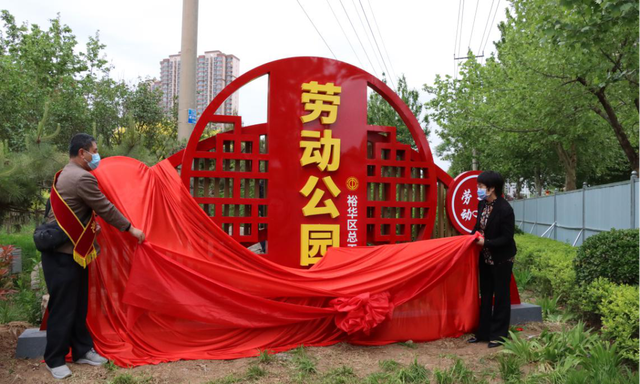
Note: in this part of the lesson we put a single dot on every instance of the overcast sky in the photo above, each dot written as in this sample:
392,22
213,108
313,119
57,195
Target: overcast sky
416,38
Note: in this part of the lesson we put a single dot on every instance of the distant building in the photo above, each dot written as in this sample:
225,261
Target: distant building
214,71
156,84
510,190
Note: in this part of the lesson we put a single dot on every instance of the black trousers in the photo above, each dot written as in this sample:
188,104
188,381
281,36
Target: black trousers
494,317
68,285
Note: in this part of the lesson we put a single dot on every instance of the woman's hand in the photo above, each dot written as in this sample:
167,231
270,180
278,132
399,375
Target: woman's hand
480,241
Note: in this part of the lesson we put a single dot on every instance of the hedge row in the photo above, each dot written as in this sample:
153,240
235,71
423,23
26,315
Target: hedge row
558,271
550,263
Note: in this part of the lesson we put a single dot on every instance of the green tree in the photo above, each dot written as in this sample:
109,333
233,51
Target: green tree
593,44
52,89
474,125
143,103
379,112
23,176
158,128
520,118
40,65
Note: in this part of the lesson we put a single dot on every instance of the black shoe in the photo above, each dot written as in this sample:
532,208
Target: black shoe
473,340
494,344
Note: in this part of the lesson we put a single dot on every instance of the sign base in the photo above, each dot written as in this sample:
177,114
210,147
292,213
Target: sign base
525,313
31,343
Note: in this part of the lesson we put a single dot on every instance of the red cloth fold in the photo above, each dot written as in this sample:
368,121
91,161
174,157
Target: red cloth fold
362,312
192,292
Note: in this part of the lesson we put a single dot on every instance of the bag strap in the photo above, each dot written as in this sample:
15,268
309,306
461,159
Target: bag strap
47,209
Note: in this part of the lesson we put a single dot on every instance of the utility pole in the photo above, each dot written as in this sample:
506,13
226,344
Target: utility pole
188,52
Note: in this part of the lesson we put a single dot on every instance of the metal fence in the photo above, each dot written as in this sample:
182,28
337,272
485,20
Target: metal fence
573,216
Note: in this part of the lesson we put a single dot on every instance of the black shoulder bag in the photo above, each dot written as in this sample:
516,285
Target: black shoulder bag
49,236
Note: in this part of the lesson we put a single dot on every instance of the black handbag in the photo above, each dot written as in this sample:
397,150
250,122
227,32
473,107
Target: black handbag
49,236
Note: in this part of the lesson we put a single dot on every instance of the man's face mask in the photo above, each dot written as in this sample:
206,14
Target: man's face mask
95,160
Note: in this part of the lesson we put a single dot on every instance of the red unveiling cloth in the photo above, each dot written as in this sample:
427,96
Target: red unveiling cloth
191,292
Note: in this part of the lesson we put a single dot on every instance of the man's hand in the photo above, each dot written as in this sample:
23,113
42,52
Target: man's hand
138,234
480,241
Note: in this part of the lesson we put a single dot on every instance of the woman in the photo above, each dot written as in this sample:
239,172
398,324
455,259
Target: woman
496,222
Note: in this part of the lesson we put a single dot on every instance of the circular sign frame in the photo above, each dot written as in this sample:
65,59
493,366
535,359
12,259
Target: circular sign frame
397,184
454,211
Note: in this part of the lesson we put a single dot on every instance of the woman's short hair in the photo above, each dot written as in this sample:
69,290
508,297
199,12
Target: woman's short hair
492,179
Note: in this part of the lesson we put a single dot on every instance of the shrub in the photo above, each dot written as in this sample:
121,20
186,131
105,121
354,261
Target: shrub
522,276
620,319
6,280
616,306
570,356
24,241
551,312
550,263
509,368
612,254
589,297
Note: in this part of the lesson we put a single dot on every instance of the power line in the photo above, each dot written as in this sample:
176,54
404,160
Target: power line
344,33
473,25
314,26
461,26
381,39
492,21
378,47
358,37
455,42
485,27
366,34
460,36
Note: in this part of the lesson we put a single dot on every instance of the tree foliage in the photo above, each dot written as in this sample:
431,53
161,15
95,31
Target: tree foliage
52,89
557,104
380,112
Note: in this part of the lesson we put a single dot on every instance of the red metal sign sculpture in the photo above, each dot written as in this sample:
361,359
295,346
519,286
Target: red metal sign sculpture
315,175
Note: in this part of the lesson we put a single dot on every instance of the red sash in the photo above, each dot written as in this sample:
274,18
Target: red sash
81,236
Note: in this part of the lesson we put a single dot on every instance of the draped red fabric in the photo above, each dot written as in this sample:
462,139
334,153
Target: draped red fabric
191,292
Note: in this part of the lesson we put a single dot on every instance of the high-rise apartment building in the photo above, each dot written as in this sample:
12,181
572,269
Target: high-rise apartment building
214,71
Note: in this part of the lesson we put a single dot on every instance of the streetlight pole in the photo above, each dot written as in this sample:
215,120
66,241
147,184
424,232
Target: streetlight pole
188,53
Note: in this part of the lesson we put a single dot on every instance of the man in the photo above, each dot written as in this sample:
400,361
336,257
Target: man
75,193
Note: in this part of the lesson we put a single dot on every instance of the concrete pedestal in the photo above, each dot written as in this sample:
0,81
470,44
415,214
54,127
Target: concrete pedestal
31,343
525,313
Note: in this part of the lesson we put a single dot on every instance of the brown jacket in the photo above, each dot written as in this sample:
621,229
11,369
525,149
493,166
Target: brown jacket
79,189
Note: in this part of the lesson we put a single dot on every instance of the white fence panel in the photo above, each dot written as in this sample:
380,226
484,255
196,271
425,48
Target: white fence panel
572,217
